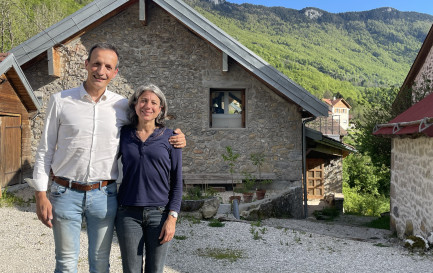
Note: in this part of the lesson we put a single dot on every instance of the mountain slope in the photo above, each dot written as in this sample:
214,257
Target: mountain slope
342,53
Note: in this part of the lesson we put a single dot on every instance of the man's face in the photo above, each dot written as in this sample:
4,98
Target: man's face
101,69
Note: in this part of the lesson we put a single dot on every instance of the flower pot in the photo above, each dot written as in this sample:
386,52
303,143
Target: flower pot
260,193
248,197
235,197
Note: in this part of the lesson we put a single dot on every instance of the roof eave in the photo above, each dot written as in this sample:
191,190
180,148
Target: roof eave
64,29
10,62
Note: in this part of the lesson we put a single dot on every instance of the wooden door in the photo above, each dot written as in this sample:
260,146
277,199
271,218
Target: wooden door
10,150
315,178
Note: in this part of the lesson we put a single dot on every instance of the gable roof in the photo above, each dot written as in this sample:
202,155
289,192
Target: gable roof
419,60
416,120
98,11
335,101
12,70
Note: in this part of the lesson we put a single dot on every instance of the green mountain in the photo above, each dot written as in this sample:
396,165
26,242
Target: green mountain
344,53
22,19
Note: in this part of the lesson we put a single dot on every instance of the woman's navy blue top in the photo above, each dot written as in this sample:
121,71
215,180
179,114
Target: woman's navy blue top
152,170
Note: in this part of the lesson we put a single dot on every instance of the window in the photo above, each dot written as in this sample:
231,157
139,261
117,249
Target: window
227,108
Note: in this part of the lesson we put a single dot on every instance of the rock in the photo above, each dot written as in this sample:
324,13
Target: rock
287,204
210,207
202,209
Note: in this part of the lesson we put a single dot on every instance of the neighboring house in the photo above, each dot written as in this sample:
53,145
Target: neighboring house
411,153
340,111
219,92
325,156
18,106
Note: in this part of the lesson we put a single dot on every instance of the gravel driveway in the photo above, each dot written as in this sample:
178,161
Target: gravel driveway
278,245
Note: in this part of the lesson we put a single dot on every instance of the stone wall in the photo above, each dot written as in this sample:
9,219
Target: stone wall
185,67
423,81
333,175
412,186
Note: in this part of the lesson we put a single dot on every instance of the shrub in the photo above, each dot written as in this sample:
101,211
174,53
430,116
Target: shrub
366,204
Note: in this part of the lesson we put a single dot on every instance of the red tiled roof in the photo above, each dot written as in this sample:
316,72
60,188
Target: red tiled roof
328,101
334,102
409,122
3,56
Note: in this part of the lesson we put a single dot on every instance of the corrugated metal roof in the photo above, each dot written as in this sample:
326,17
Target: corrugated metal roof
10,67
328,141
193,20
414,121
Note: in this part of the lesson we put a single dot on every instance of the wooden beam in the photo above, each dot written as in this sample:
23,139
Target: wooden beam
142,11
225,67
53,62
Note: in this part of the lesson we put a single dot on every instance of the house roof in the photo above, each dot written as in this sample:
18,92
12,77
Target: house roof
96,11
416,120
335,101
419,61
12,70
324,141
3,56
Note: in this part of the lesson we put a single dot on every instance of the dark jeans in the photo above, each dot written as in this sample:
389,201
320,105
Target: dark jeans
138,228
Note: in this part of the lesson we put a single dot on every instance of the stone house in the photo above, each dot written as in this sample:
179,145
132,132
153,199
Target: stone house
18,106
411,149
219,92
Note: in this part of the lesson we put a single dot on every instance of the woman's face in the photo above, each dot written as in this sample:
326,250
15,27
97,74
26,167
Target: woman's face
148,106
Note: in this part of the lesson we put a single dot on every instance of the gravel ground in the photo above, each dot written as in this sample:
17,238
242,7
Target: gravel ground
284,245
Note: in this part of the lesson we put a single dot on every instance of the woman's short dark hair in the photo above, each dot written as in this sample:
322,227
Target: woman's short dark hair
105,46
133,99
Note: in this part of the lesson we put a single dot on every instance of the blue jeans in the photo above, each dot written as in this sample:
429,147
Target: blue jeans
98,207
138,228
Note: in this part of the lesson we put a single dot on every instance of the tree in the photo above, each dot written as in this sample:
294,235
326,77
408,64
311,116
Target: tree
21,19
327,95
376,110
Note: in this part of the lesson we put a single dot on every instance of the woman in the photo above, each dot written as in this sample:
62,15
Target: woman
151,191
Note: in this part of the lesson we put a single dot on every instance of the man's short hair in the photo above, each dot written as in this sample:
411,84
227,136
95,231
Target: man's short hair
105,46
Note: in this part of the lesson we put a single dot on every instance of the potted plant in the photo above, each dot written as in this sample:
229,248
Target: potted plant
230,157
258,159
248,186
193,198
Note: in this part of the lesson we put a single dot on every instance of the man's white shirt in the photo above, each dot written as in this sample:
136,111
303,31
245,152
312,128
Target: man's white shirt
80,140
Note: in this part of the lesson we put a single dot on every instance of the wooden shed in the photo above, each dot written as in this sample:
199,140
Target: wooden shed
18,105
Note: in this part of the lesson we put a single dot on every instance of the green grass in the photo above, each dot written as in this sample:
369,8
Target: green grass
215,223
180,237
231,255
380,223
10,200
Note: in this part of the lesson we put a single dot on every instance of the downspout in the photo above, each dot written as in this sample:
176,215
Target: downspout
304,164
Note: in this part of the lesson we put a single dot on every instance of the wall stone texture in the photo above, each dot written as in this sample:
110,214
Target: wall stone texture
333,175
412,186
185,67
423,81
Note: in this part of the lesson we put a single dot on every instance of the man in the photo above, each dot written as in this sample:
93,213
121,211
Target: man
79,146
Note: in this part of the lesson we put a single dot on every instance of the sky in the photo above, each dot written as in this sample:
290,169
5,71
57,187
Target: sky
336,6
